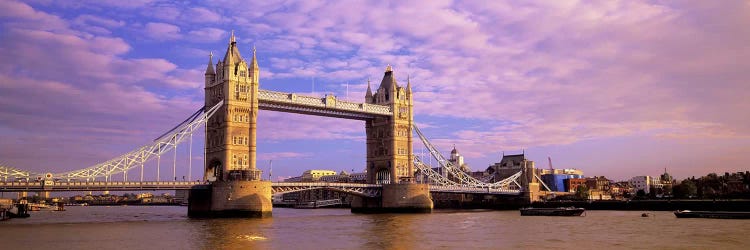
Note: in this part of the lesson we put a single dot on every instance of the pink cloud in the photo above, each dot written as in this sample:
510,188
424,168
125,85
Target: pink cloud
276,126
206,35
202,15
281,155
540,73
162,31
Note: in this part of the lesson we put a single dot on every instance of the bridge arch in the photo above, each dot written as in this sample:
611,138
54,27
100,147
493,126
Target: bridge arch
214,170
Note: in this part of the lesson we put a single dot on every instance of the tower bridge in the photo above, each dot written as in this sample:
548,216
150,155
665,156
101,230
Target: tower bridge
231,183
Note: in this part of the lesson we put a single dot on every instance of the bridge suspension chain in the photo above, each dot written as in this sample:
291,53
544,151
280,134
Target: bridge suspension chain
161,145
464,178
431,174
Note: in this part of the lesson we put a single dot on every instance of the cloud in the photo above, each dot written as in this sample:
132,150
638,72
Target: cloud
96,20
71,89
281,155
162,31
206,35
202,15
22,15
513,75
277,126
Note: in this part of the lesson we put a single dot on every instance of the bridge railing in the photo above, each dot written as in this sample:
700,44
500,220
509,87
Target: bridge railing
324,184
114,185
485,190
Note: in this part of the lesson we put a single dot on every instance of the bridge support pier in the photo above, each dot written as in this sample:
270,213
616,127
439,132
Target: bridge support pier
248,199
396,198
532,192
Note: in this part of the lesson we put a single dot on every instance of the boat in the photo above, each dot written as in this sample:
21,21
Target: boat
20,210
318,204
560,211
59,206
39,207
712,214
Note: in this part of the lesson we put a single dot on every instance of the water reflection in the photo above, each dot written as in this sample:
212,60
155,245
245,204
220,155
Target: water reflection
391,231
169,228
235,233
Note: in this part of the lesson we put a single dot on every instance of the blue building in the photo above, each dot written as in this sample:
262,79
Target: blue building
555,182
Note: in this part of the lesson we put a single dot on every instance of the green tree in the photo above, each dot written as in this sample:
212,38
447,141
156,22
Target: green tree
689,188
582,192
678,192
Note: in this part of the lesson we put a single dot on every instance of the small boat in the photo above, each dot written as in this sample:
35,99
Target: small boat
560,211
712,214
59,206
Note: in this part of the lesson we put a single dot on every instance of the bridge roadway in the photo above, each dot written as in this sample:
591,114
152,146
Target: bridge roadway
370,190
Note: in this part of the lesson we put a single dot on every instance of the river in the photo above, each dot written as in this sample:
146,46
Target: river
167,227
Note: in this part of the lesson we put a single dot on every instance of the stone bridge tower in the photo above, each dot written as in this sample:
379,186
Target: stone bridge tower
236,189
230,133
390,157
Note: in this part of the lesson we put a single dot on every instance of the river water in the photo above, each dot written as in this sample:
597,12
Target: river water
145,227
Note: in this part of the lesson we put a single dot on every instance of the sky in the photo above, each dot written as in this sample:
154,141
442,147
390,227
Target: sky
614,88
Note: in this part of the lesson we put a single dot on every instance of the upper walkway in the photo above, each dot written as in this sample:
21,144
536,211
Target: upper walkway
327,106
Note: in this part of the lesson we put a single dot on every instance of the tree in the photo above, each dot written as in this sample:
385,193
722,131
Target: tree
685,189
689,188
582,192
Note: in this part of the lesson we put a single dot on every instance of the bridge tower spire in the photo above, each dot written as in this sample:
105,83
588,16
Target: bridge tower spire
210,73
368,95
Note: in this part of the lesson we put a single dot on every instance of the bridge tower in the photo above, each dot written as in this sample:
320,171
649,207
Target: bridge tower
236,187
390,156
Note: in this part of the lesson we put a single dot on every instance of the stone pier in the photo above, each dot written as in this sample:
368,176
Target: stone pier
231,199
396,198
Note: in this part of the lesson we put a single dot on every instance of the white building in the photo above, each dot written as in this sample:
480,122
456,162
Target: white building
458,160
645,183
315,174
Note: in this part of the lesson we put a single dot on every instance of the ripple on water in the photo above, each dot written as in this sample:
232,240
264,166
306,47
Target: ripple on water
249,237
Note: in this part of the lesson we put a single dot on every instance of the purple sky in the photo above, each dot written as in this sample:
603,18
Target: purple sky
615,88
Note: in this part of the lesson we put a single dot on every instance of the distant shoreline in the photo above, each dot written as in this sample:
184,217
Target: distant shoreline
654,205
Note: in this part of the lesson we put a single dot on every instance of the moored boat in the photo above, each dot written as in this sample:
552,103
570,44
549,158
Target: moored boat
712,214
560,211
